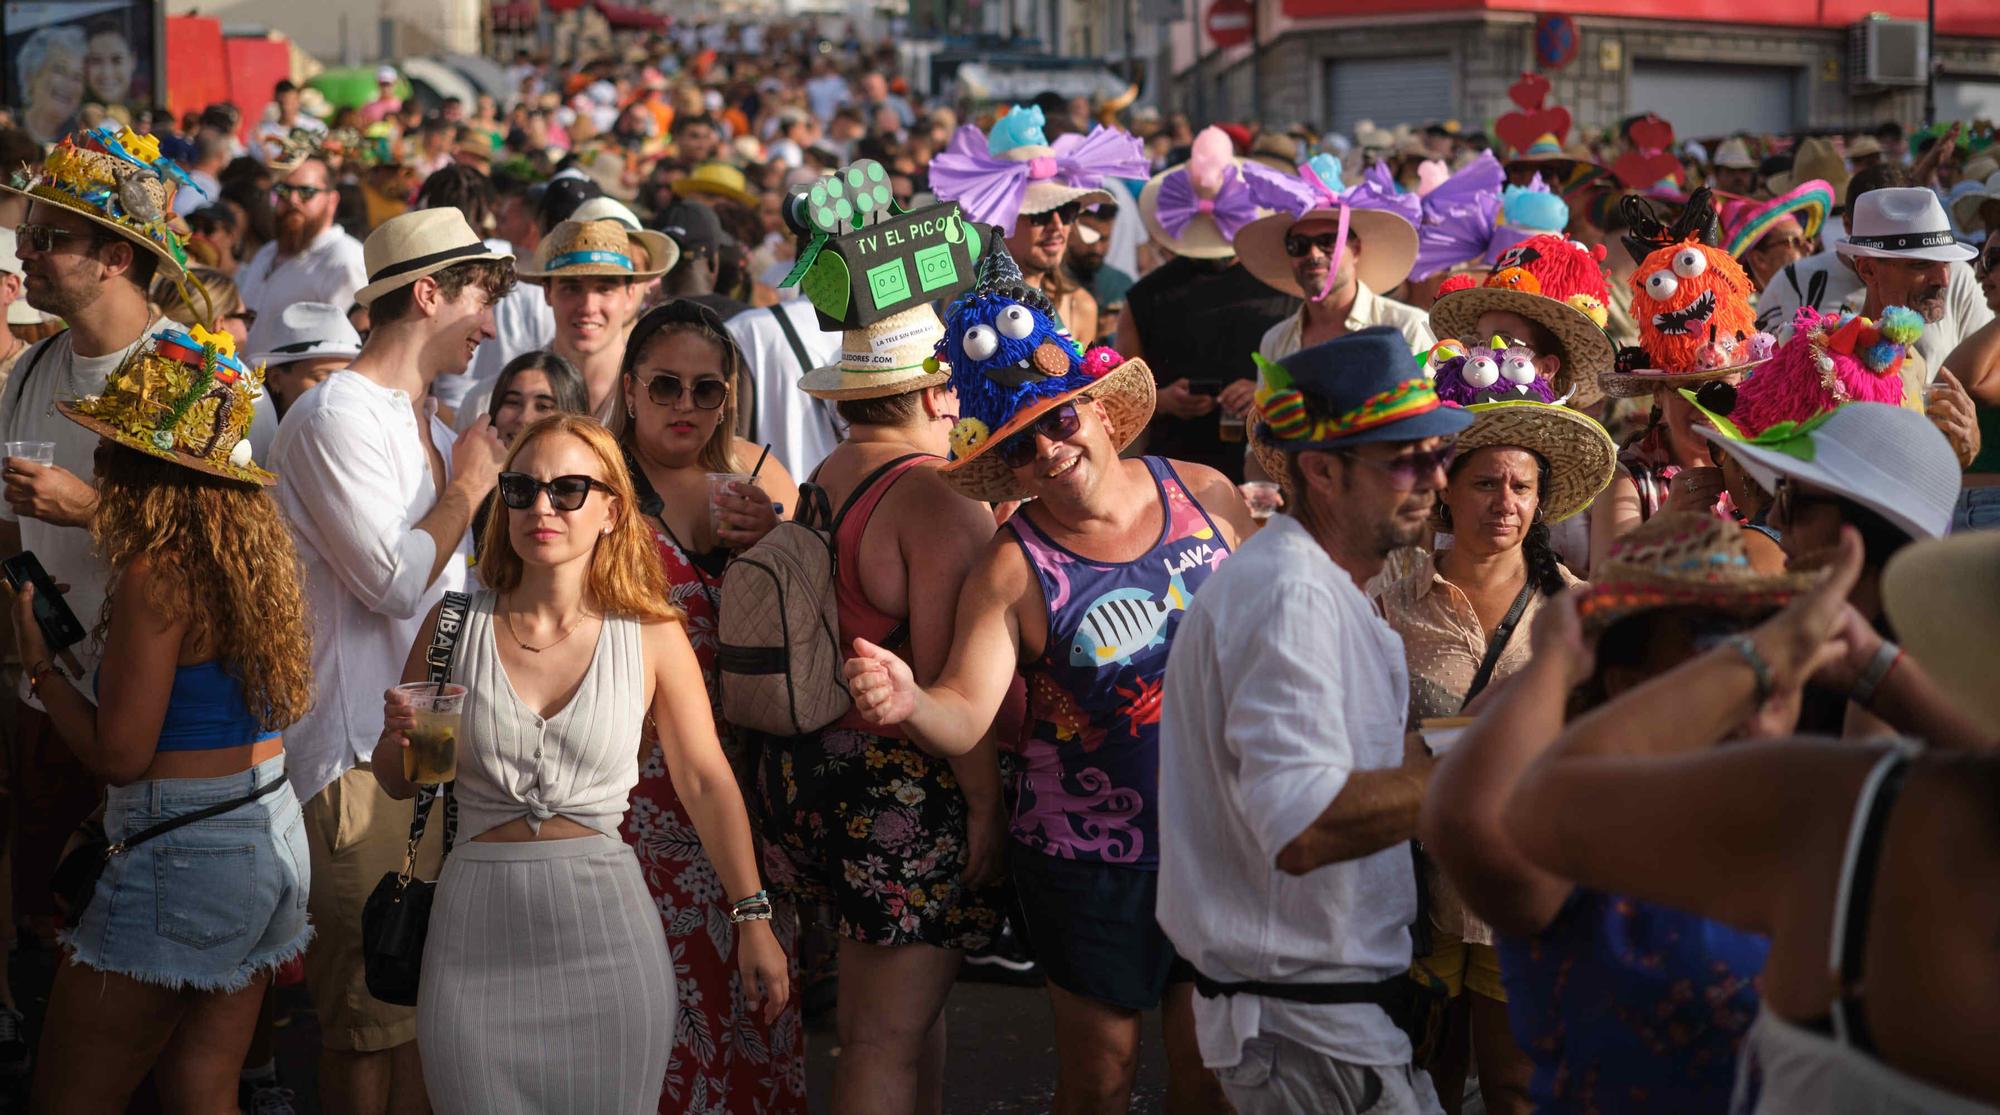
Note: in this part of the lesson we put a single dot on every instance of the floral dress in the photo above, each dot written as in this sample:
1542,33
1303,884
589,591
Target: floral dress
725,1059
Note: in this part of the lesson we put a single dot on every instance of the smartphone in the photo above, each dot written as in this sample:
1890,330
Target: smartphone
1207,387
60,629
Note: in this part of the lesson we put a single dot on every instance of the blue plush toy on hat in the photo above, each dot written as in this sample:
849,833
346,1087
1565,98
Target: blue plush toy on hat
1005,347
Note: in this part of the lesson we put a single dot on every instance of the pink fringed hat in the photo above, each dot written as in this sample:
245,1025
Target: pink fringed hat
1831,360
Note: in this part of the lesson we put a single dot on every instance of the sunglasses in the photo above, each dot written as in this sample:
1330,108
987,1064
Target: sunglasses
286,191
707,394
1068,212
566,493
1299,246
1789,501
1059,424
43,238
1403,471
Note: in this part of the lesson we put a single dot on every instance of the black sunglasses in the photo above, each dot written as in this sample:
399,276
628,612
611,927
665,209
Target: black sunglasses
1788,502
1298,246
566,493
1057,425
1068,212
708,394
284,190
43,238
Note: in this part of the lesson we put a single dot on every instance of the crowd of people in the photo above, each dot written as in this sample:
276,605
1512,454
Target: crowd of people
492,495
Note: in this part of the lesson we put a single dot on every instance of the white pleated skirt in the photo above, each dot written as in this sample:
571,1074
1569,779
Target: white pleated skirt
546,983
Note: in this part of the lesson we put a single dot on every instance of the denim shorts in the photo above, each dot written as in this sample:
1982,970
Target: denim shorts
209,905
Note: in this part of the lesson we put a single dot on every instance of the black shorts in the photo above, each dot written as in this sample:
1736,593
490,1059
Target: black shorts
1091,928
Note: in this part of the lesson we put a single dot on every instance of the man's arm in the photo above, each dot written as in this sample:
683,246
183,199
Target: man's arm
1376,809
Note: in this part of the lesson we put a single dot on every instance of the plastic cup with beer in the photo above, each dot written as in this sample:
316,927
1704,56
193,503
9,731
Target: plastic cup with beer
1230,427
432,756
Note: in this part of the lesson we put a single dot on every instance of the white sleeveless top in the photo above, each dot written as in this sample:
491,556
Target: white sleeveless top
581,763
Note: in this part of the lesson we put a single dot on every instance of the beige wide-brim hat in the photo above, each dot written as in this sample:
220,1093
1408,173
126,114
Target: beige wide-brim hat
1815,158
1388,248
409,246
1043,195
606,248
1201,239
1944,598
1128,394
161,237
893,356
1587,352
1580,455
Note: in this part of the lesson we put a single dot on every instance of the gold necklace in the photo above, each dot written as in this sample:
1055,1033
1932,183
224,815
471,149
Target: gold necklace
508,618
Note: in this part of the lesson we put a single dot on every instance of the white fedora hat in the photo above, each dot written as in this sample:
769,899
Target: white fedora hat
302,331
1902,222
1888,459
409,246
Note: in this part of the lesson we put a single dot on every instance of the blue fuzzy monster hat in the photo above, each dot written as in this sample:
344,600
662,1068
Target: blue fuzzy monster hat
1011,360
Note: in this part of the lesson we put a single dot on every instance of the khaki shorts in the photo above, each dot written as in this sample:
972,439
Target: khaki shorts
356,834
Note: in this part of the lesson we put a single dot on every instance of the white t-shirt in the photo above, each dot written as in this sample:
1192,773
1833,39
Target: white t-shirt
1283,681
522,322
45,373
802,430
329,270
354,480
1965,313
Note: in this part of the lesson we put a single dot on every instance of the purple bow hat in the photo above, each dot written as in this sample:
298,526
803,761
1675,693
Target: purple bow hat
1198,208
1016,172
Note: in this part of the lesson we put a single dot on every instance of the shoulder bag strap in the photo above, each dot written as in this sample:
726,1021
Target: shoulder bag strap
439,660
791,333
1497,645
216,810
19,383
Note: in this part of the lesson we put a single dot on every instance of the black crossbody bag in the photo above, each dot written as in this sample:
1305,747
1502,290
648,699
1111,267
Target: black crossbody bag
397,916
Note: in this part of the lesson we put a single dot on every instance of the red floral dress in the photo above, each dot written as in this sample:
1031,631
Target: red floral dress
725,1059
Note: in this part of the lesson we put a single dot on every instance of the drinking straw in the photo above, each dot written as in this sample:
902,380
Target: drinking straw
761,458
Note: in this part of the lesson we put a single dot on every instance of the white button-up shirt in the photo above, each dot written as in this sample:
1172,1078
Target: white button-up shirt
329,270
1283,681
354,480
1370,308
802,430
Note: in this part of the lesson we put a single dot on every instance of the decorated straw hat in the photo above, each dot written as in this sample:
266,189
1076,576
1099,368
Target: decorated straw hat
118,179
607,248
1554,282
1198,208
1944,599
1011,362
1014,171
1580,455
1745,221
182,397
1683,559
893,356
1692,303
719,180
409,246
1384,220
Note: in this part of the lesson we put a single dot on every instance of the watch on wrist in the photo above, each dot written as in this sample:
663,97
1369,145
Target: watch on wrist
1872,674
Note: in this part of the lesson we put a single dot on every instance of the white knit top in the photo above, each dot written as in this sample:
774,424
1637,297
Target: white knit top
581,763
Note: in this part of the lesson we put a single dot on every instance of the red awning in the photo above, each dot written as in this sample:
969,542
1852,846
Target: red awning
623,18
516,16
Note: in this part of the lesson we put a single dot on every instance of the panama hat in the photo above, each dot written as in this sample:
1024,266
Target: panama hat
1388,237
1901,222
1970,198
605,248
409,246
1688,559
893,356
1580,455
717,180
302,331
1944,599
181,397
117,179
1745,221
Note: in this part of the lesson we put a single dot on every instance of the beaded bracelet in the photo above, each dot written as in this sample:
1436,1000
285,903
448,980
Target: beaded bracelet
756,907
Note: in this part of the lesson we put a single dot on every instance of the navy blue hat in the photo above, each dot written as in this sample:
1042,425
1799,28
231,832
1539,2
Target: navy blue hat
1363,387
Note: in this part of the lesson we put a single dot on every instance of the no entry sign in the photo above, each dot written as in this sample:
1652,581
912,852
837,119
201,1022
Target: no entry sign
1229,22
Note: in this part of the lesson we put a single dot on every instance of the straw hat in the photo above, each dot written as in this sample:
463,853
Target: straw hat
717,180
1733,154
117,179
1944,598
1563,171
409,246
1388,239
607,248
181,397
1128,394
1815,158
1567,289
1580,455
893,356
1683,559
1968,199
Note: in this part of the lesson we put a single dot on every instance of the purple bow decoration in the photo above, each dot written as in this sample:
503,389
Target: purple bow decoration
990,189
1231,208
1459,217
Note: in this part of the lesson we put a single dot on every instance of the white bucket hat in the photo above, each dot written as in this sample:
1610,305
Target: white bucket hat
1888,459
302,331
1903,222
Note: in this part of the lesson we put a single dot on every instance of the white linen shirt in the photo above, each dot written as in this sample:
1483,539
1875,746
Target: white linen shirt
329,270
802,430
1778,305
354,481
1370,308
1282,682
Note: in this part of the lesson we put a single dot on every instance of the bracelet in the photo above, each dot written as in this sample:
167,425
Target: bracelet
40,672
757,907
1743,645
1872,675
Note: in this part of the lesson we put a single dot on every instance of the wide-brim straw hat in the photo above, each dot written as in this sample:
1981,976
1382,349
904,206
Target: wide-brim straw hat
1967,203
1683,559
718,180
1586,349
1043,195
1745,221
893,356
140,207
1580,455
1944,599
1128,394
1645,381
182,398
1814,158
409,246
1388,248
607,248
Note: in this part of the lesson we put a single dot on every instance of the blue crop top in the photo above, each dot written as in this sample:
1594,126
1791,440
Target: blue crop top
206,712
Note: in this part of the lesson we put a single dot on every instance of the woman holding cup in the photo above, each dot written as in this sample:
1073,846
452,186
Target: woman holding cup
570,650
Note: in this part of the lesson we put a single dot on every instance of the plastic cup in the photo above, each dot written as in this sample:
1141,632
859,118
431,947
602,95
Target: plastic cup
718,482
432,756
40,452
1230,427
1441,732
1263,496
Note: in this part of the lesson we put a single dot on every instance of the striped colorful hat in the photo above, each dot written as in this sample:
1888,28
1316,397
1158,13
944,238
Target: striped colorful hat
1745,221
1362,387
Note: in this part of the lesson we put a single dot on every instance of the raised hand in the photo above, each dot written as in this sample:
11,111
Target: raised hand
477,455
881,684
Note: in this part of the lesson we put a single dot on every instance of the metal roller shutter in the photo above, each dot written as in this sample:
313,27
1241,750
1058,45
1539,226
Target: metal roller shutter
1968,99
1710,100
1389,91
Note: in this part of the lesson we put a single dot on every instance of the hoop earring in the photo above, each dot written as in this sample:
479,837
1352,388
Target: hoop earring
1444,516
